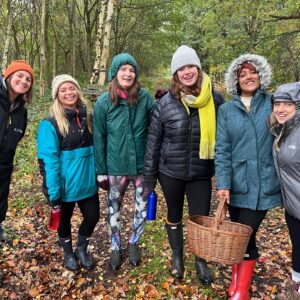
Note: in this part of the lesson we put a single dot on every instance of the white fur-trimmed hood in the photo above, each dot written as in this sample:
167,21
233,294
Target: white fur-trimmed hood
259,62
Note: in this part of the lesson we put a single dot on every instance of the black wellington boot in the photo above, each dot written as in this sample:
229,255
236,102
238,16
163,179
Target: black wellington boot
175,235
69,256
203,271
82,244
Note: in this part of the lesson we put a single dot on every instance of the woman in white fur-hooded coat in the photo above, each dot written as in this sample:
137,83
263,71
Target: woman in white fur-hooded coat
245,171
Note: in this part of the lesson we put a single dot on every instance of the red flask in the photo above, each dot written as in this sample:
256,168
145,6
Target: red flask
54,218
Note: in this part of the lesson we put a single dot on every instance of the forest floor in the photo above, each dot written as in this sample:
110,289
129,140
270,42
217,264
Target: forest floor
31,260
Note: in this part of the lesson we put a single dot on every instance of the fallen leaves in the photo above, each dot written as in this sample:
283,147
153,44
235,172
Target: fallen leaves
32,262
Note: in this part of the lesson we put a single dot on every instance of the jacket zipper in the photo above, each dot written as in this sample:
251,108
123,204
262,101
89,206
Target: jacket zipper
188,148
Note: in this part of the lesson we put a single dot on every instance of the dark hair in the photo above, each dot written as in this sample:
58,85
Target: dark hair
177,86
133,92
23,98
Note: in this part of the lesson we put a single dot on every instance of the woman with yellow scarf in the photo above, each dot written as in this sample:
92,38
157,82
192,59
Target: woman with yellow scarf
180,150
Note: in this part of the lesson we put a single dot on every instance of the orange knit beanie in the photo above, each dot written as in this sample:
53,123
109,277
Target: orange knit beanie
18,65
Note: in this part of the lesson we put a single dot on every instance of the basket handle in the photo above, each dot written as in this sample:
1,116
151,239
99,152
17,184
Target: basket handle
220,213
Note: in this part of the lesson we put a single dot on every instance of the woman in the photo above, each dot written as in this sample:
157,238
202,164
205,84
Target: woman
245,172
15,93
285,125
66,159
180,150
121,118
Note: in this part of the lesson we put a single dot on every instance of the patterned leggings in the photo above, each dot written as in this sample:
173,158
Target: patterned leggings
115,196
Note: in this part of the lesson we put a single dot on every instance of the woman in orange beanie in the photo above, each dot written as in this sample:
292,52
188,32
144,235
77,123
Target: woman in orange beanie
15,92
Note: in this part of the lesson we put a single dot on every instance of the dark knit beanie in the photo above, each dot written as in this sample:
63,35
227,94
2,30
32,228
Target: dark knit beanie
118,61
18,65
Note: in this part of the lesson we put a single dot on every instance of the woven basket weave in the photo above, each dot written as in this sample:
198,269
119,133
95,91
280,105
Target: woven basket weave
217,240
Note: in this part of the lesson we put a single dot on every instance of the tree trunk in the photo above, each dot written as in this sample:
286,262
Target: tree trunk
42,48
8,36
54,54
95,74
73,39
106,39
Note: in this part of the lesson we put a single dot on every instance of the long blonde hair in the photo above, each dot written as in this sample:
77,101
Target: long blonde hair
57,111
274,126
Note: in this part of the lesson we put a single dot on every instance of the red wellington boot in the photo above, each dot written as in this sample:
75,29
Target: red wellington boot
234,275
245,272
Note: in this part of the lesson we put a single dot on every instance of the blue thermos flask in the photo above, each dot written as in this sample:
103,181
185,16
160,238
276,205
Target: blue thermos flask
151,209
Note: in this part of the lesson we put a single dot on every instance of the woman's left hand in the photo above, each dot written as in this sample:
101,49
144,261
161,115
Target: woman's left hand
224,194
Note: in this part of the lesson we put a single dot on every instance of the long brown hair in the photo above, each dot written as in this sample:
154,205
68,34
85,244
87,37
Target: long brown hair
133,92
177,87
22,98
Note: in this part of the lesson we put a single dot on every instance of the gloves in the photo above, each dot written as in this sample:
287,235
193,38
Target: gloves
150,183
102,182
55,203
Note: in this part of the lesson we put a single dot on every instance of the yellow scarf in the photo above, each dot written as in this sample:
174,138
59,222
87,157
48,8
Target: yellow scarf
207,117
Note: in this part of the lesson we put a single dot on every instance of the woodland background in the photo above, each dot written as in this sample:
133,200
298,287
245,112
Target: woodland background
79,37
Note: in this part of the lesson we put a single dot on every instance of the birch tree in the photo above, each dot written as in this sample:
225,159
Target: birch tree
106,40
95,74
42,48
8,34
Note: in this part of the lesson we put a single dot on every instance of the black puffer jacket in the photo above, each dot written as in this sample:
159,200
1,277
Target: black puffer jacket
173,142
13,122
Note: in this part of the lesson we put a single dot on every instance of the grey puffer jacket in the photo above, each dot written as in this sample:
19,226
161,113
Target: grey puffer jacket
287,159
173,142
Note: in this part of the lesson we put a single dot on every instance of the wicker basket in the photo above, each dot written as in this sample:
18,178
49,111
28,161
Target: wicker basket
217,240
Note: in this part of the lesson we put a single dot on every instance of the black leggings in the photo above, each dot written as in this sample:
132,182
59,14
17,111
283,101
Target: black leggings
198,193
252,218
294,229
89,208
5,177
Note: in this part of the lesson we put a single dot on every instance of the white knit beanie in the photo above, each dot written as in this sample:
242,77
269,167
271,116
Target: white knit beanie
184,56
59,80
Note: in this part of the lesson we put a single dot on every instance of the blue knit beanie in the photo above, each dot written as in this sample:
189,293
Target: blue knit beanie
118,61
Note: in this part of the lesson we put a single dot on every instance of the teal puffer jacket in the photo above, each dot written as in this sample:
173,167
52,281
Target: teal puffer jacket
243,161
120,135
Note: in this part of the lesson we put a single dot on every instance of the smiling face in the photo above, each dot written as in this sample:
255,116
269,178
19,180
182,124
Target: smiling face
188,75
249,82
68,95
20,83
283,110
126,76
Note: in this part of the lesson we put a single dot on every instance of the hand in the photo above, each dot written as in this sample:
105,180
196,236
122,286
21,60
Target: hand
55,203
221,194
102,182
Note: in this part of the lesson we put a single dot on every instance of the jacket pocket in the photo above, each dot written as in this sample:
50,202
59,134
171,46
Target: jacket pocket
239,178
270,183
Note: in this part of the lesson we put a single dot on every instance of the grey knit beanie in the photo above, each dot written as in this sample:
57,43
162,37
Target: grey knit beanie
184,56
59,80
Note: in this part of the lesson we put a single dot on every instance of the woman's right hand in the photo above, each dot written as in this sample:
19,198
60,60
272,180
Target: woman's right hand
221,194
